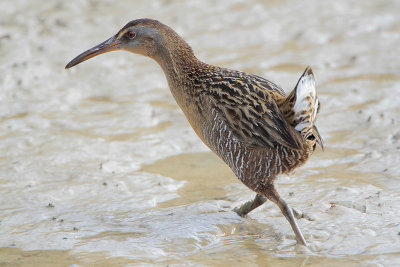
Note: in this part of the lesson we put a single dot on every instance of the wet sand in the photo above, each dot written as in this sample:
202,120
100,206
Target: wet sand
100,167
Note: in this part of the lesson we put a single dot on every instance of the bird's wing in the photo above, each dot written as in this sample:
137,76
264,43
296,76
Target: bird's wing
246,103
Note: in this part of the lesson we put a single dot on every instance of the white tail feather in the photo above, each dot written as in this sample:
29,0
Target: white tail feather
306,101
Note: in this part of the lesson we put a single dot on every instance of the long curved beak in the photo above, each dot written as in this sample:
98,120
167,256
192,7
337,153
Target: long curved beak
106,46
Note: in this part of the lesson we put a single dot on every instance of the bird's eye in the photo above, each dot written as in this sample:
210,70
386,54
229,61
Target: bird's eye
131,34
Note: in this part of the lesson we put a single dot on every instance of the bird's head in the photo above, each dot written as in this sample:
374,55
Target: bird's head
142,36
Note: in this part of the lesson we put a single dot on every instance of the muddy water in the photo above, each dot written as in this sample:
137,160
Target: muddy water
99,166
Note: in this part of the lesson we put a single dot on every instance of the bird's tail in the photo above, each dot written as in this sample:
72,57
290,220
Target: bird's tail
302,106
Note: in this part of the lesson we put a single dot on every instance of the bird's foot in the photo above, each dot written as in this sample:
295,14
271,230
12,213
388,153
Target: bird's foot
243,210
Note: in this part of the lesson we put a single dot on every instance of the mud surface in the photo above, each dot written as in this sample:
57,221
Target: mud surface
99,166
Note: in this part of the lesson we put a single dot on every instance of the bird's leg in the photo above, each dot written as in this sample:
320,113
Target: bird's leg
273,195
250,205
287,211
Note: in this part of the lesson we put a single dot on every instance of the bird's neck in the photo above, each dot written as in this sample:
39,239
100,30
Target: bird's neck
176,59
181,68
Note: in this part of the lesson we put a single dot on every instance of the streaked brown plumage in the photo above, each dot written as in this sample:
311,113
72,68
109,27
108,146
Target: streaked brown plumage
248,121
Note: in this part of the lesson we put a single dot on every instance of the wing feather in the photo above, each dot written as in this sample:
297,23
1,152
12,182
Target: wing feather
247,104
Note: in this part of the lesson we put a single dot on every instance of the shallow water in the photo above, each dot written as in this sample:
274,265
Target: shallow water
99,166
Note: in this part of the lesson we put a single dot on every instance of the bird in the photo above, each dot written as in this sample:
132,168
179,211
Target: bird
248,121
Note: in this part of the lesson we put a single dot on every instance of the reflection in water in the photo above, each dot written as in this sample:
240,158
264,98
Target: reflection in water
99,166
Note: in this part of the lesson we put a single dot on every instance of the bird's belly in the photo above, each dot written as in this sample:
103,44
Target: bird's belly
246,164
254,166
